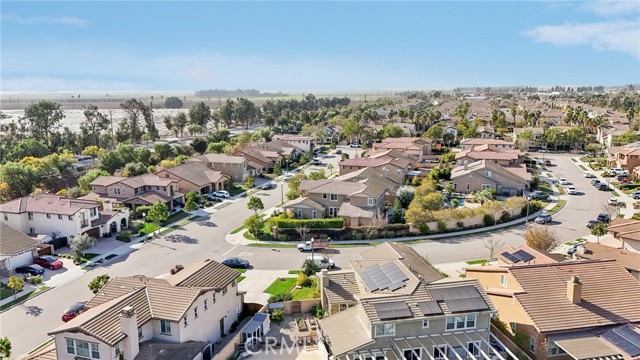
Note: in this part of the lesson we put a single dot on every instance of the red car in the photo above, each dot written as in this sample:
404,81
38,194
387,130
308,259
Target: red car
48,262
73,311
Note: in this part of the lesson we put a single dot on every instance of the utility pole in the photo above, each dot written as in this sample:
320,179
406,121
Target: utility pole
112,134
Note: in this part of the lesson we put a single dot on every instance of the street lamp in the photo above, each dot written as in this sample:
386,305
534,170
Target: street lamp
312,241
144,222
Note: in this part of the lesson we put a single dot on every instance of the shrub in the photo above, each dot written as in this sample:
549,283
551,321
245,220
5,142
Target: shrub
359,236
636,216
442,226
309,267
280,297
37,279
460,224
506,216
488,220
303,280
423,228
124,235
282,237
317,311
277,315
331,223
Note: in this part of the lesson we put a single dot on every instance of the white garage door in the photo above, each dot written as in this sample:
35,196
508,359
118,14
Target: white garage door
25,258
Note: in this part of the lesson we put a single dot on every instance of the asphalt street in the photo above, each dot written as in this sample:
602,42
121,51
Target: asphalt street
27,325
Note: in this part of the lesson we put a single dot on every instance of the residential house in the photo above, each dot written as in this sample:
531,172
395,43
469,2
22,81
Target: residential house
486,132
608,135
525,255
61,216
358,202
567,310
260,160
393,305
627,231
306,143
451,129
235,166
134,315
390,164
626,157
484,152
196,176
288,151
131,192
16,248
509,180
628,259
494,144
412,146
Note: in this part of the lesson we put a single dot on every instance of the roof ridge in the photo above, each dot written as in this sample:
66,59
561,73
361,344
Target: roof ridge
559,264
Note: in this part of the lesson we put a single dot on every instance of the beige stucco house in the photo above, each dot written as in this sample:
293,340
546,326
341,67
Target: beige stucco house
147,189
412,146
509,180
389,164
235,166
484,152
195,176
495,144
626,157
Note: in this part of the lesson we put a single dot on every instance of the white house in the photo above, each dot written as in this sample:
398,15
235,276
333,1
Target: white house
188,311
305,143
61,216
16,248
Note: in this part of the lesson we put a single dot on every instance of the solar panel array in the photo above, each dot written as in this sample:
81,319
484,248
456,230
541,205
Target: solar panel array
430,307
392,310
625,339
388,276
460,299
518,256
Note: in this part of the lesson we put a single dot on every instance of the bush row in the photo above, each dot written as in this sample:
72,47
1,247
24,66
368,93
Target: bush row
331,223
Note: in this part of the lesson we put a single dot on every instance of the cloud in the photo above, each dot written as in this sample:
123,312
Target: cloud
47,83
32,20
612,7
620,35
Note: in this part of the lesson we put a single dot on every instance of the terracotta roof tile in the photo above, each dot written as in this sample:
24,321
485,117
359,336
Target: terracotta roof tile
52,204
13,242
630,260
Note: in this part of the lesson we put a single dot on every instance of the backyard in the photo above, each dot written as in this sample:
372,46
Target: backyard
288,286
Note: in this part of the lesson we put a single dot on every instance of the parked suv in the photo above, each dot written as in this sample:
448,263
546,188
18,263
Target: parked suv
603,218
538,195
636,195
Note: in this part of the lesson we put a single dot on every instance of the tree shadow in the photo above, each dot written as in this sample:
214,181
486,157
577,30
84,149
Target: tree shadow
34,311
181,239
207,223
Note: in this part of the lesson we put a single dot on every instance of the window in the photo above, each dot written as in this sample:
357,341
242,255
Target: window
468,186
503,280
461,322
343,307
385,330
324,196
439,351
333,197
412,354
186,321
83,348
554,349
513,327
94,212
485,186
32,230
532,344
140,335
165,327
314,214
206,305
195,313
299,213
425,324
71,217
474,347
30,215
116,191
214,298
48,216
6,217
70,347
59,217
371,201
398,172
455,186
117,349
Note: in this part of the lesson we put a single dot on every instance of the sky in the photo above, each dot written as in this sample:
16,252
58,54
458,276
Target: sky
314,45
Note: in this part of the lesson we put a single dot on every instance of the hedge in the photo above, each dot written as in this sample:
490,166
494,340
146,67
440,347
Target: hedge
331,223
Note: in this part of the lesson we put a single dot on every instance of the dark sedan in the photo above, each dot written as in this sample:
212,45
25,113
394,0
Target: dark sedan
30,269
73,311
236,262
48,262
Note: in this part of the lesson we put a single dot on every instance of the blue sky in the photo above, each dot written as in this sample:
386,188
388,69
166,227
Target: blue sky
162,45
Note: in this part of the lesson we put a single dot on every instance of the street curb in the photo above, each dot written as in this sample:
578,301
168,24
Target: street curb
29,298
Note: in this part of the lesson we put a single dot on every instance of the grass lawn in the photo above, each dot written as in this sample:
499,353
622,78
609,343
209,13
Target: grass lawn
582,167
558,206
149,228
240,278
23,298
294,272
238,190
613,192
5,292
574,160
279,286
237,230
476,262
241,271
306,292
176,216
545,188
561,190
168,230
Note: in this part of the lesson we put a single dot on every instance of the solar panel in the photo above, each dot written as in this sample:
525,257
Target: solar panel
396,286
523,255
622,343
628,334
464,305
461,292
429,307
392,310
387,276
511,257
368,282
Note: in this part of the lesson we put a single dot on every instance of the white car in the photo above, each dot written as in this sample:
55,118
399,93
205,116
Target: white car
287,177
587,174
571,190
221,193
612,201
563,181
317,161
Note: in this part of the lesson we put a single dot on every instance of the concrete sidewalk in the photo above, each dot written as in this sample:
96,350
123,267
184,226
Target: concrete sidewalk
256,281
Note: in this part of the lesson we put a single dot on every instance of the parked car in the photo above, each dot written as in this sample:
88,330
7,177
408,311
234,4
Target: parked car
603,187
563,181
354,145
236,262
338,151
33,269
73,311
322,262
316,161
622,177
612,201
538,195
636,195
221,193
592,223
48,262
571,190
587,174
543,219
547,163
603,218
595,182
213,198
267,186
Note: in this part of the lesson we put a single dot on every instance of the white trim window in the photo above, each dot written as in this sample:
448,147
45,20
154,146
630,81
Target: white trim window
554,349
165,327
324,196
185,320
385,330
460,322
487,173
195,313
439,352
333,197
206,304
30,215
503,280
474,347
485,186
299,213
412,354
314,214
532,344
425,324
371,201
83,348
468,187
6,217
140,334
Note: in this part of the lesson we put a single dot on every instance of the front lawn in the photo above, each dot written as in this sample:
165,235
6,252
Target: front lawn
5,292
238,190
557,207
149,228
306,292
175,217
545,188
281,286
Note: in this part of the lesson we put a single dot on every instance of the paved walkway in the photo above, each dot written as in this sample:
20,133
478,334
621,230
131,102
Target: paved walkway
256,281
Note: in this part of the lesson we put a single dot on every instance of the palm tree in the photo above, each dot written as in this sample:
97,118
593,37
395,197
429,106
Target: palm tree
5,348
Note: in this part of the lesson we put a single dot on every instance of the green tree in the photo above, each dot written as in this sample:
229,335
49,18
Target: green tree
398,212
199,145
143,155
134,169
294,185
109,161
158,213
255,204
462,110
80,244
277,169
594,148
20,178
195,130
92,150
98,283
200,114
94,123
254,224
88,177
219,135
330,167
599,229
42,119
164,150
16,284
218,147
309,267
27,147
392,131
5,348
435,132
250,181
131,128
126,153
192,202
173,102
317,175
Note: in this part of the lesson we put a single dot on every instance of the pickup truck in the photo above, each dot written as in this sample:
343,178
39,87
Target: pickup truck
317,245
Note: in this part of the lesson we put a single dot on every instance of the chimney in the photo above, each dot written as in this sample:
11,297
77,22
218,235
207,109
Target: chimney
466,164
574,289
129,326
324,282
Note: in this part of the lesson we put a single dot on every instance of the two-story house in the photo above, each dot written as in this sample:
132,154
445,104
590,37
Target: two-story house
235,166
358,202
412,146
195,176
306,143
626,157
627,232
494,144
509,180
504,157
147,189
387,164
260,160
400,309
288,151
630,260
192,308
16,248
486,132
61,216
568,310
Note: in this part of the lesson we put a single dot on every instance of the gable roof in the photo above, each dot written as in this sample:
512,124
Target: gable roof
52,204
480,141
147,180
14,241
515,171
196,173
628,259
539,257
341,286
306,202
222,158
407,256
605,294
207,273
106,180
